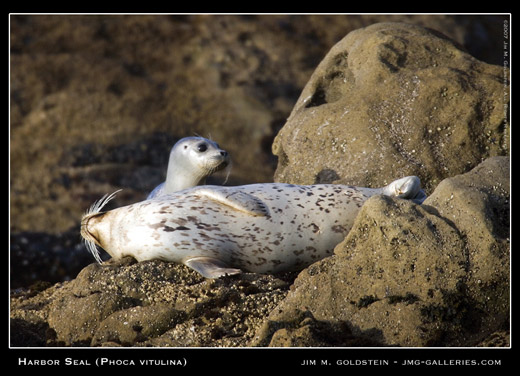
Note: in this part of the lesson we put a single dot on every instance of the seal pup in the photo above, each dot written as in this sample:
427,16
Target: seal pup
192,160
261,228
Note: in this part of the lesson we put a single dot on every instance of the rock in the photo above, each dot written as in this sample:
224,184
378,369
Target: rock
137,324
435,274
146,304
302,330
391,100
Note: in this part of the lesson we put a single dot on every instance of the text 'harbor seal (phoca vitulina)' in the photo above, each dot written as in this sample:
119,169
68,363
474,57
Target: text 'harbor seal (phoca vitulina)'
192,160
261,228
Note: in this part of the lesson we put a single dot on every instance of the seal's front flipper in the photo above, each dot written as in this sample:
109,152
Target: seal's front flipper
210,267
237,200
408,187
156,192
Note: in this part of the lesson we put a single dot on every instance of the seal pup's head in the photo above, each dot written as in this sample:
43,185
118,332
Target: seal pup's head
91,225
192,159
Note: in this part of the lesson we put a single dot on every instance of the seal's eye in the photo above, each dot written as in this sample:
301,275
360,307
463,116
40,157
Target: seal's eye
202,147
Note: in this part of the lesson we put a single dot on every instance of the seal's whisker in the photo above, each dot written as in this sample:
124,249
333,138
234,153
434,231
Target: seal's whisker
99,204
92,248
228,172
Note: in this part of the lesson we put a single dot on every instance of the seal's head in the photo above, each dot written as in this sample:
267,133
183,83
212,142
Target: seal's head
192,159
92,225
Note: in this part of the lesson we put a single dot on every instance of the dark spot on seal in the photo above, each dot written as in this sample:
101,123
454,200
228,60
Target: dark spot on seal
315,228
170,229
156,226
339,229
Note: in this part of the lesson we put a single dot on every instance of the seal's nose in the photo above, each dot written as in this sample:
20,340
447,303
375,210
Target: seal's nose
223,153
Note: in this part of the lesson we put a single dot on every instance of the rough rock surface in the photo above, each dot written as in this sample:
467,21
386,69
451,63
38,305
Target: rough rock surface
435,274
391,100
151,303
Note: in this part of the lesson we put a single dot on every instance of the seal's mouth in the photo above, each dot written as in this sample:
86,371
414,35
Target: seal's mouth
222,166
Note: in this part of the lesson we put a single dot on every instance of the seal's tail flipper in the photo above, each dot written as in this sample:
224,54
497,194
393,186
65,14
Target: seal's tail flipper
408,187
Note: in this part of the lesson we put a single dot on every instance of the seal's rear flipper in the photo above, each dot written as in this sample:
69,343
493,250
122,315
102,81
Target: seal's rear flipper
408,187
240,201
210,267
419,197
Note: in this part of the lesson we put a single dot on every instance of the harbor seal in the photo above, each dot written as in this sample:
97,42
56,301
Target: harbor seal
192,160
263,228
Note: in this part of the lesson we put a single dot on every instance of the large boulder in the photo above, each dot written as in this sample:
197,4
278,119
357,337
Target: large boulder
390,100
435,274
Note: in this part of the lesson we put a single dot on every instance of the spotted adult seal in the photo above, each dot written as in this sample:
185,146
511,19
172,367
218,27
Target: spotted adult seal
215,230
192,160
